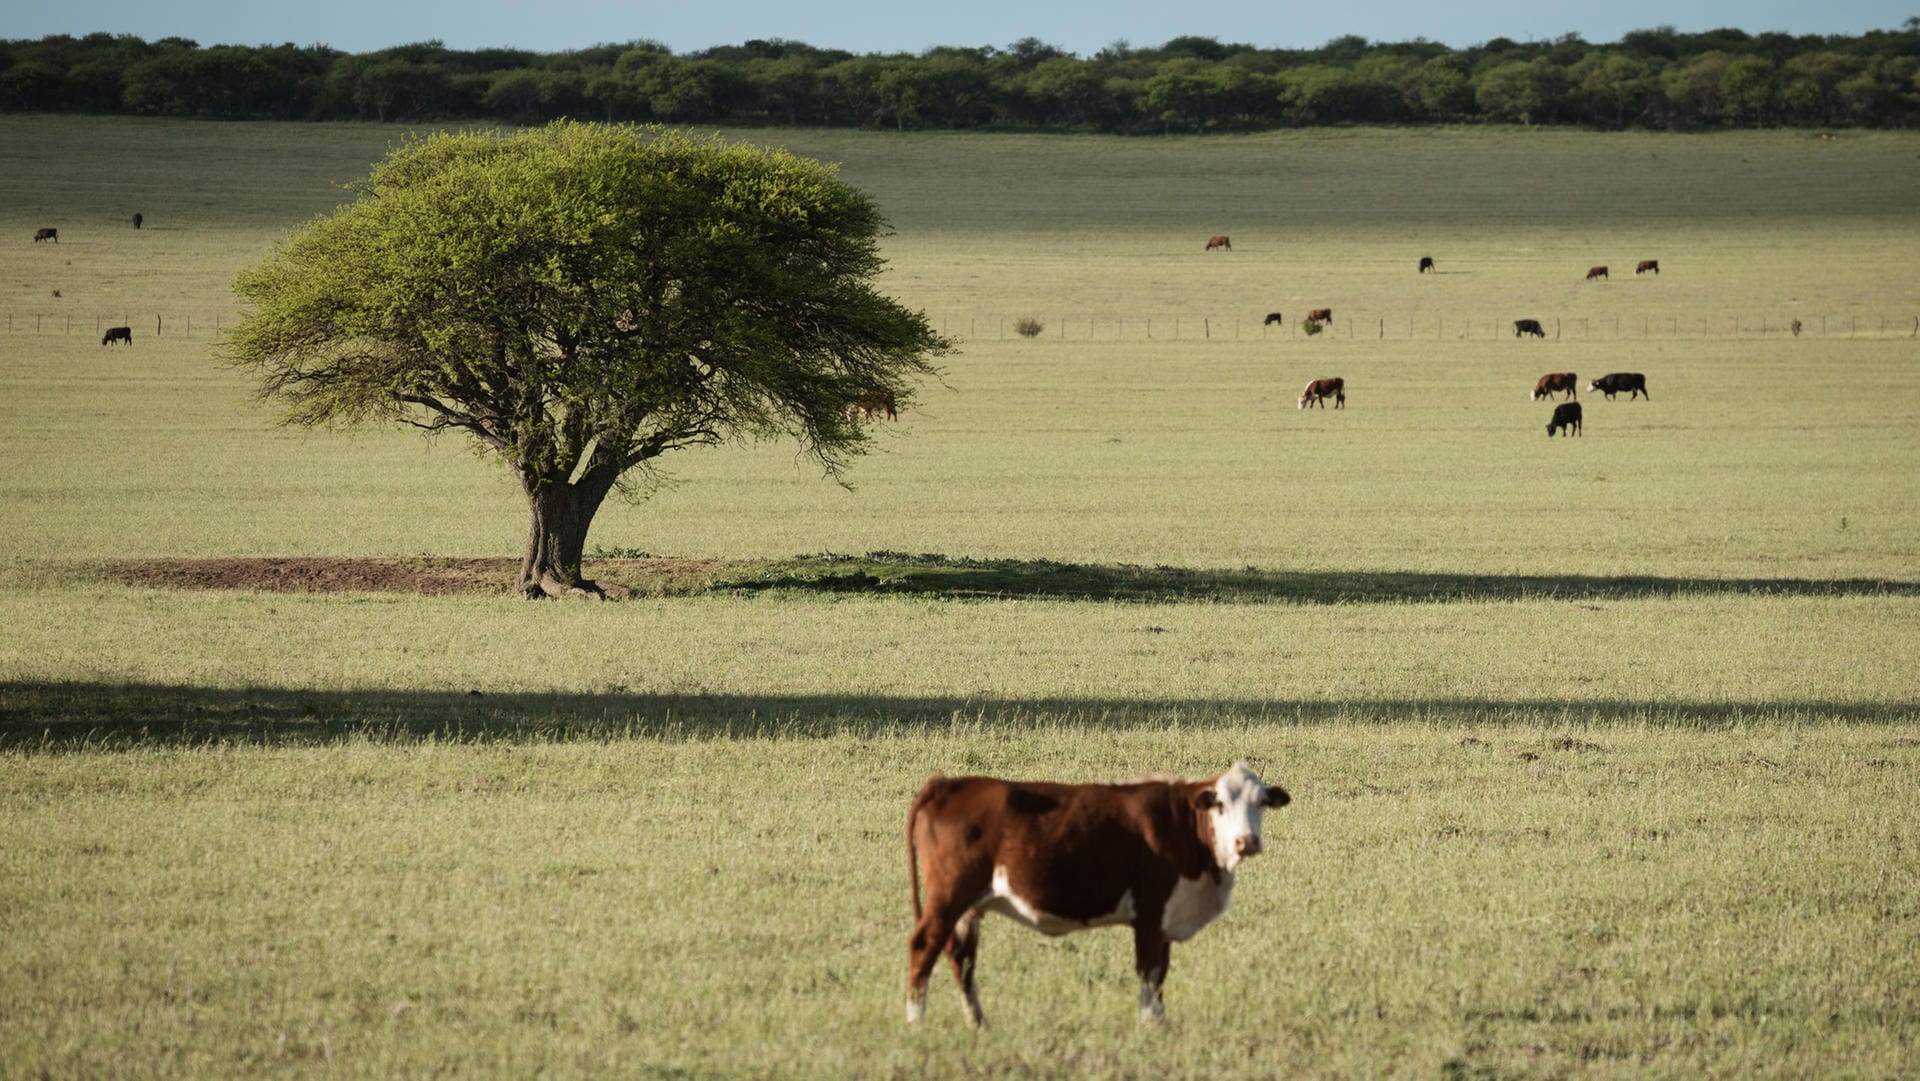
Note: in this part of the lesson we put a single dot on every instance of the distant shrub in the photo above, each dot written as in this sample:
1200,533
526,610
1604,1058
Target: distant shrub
1312,327
1028,327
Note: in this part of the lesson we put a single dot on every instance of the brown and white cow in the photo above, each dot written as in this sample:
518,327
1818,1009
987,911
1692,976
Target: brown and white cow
1596,272
1646,265
1156,855
46,234
1553,383
1320,390
1219,242
1320,315
873,406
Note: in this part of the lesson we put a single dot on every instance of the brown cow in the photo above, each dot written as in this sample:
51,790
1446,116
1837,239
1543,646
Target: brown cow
46,234
1320,315
1219,242
1646,265
1596,272
1426,264
117,334
1528,326
1566,416
1156,855
1320,390
1554,382
873,406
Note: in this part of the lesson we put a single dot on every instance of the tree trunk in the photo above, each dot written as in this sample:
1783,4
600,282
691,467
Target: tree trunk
557,538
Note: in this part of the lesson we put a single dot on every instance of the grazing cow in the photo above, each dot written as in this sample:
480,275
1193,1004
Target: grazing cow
1596,272
873,406
1646,265
1157,855
1219,242
117,334
1528,326
1610,385
1272,318
1553,383
1566,416
1320,315
1320,390
1426,263
46,234
137,219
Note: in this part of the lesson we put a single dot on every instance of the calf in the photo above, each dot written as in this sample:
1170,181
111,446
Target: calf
1610,385
117,334
1156,855
1553,383
46,234
1646,265
1596,272
1426,263
1219,242
1528,326
1566,416
1320,390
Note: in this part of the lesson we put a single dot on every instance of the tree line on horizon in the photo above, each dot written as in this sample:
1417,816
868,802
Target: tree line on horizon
1657,79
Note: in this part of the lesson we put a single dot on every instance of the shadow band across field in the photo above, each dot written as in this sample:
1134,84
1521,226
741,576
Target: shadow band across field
62,717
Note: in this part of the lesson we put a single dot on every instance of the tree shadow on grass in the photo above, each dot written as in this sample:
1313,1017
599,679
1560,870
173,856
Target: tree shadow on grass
67,717
959,578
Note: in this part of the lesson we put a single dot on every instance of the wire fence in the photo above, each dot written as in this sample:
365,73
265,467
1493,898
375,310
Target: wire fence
1345,326
1428,326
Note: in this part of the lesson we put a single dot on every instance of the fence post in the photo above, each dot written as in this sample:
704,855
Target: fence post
1206,328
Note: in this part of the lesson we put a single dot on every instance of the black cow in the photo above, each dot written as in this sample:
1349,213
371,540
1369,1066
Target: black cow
1426,263
1610,385
1272,318
46,234
1528,326
118,334
137,219
1566,416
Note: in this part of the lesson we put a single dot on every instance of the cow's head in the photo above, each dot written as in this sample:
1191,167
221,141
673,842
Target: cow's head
1233,804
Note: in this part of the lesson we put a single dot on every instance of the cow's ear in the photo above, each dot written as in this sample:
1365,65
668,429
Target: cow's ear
1204,799
1275,796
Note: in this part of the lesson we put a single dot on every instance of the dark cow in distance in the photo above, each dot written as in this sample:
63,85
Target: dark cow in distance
117,334
873,406
1596,272
1272,318
1219,242
1426,264
1646,265
46,234
1566,416
1553,383
1156,855
137,219
1320,390
1528,326
1320,315
1616,382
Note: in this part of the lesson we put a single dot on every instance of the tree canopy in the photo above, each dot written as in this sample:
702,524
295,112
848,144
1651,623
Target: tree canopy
581,299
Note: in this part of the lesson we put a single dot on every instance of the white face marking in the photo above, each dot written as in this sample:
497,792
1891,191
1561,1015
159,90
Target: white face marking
1240,799
1002,899
1194,903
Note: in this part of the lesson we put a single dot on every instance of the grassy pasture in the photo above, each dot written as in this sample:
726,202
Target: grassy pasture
1603,748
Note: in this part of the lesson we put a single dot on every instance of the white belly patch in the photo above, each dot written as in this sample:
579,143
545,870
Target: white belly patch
1001,898
1194,904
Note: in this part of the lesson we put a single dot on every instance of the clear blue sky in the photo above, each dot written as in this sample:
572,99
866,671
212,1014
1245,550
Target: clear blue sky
1078,26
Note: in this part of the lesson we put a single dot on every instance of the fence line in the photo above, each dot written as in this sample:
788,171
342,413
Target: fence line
1356,326
1427,326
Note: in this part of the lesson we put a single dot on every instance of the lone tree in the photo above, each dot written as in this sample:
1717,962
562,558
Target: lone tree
582,299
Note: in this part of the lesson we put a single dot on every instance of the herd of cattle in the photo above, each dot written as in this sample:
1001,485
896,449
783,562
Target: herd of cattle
113,334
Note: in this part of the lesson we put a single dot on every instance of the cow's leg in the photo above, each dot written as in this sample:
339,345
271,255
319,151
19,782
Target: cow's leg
1150,953
961,949
929,937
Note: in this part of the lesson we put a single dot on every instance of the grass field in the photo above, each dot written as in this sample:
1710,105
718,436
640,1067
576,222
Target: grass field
1604,749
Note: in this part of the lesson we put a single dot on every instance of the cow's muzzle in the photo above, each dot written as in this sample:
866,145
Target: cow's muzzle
1246,846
